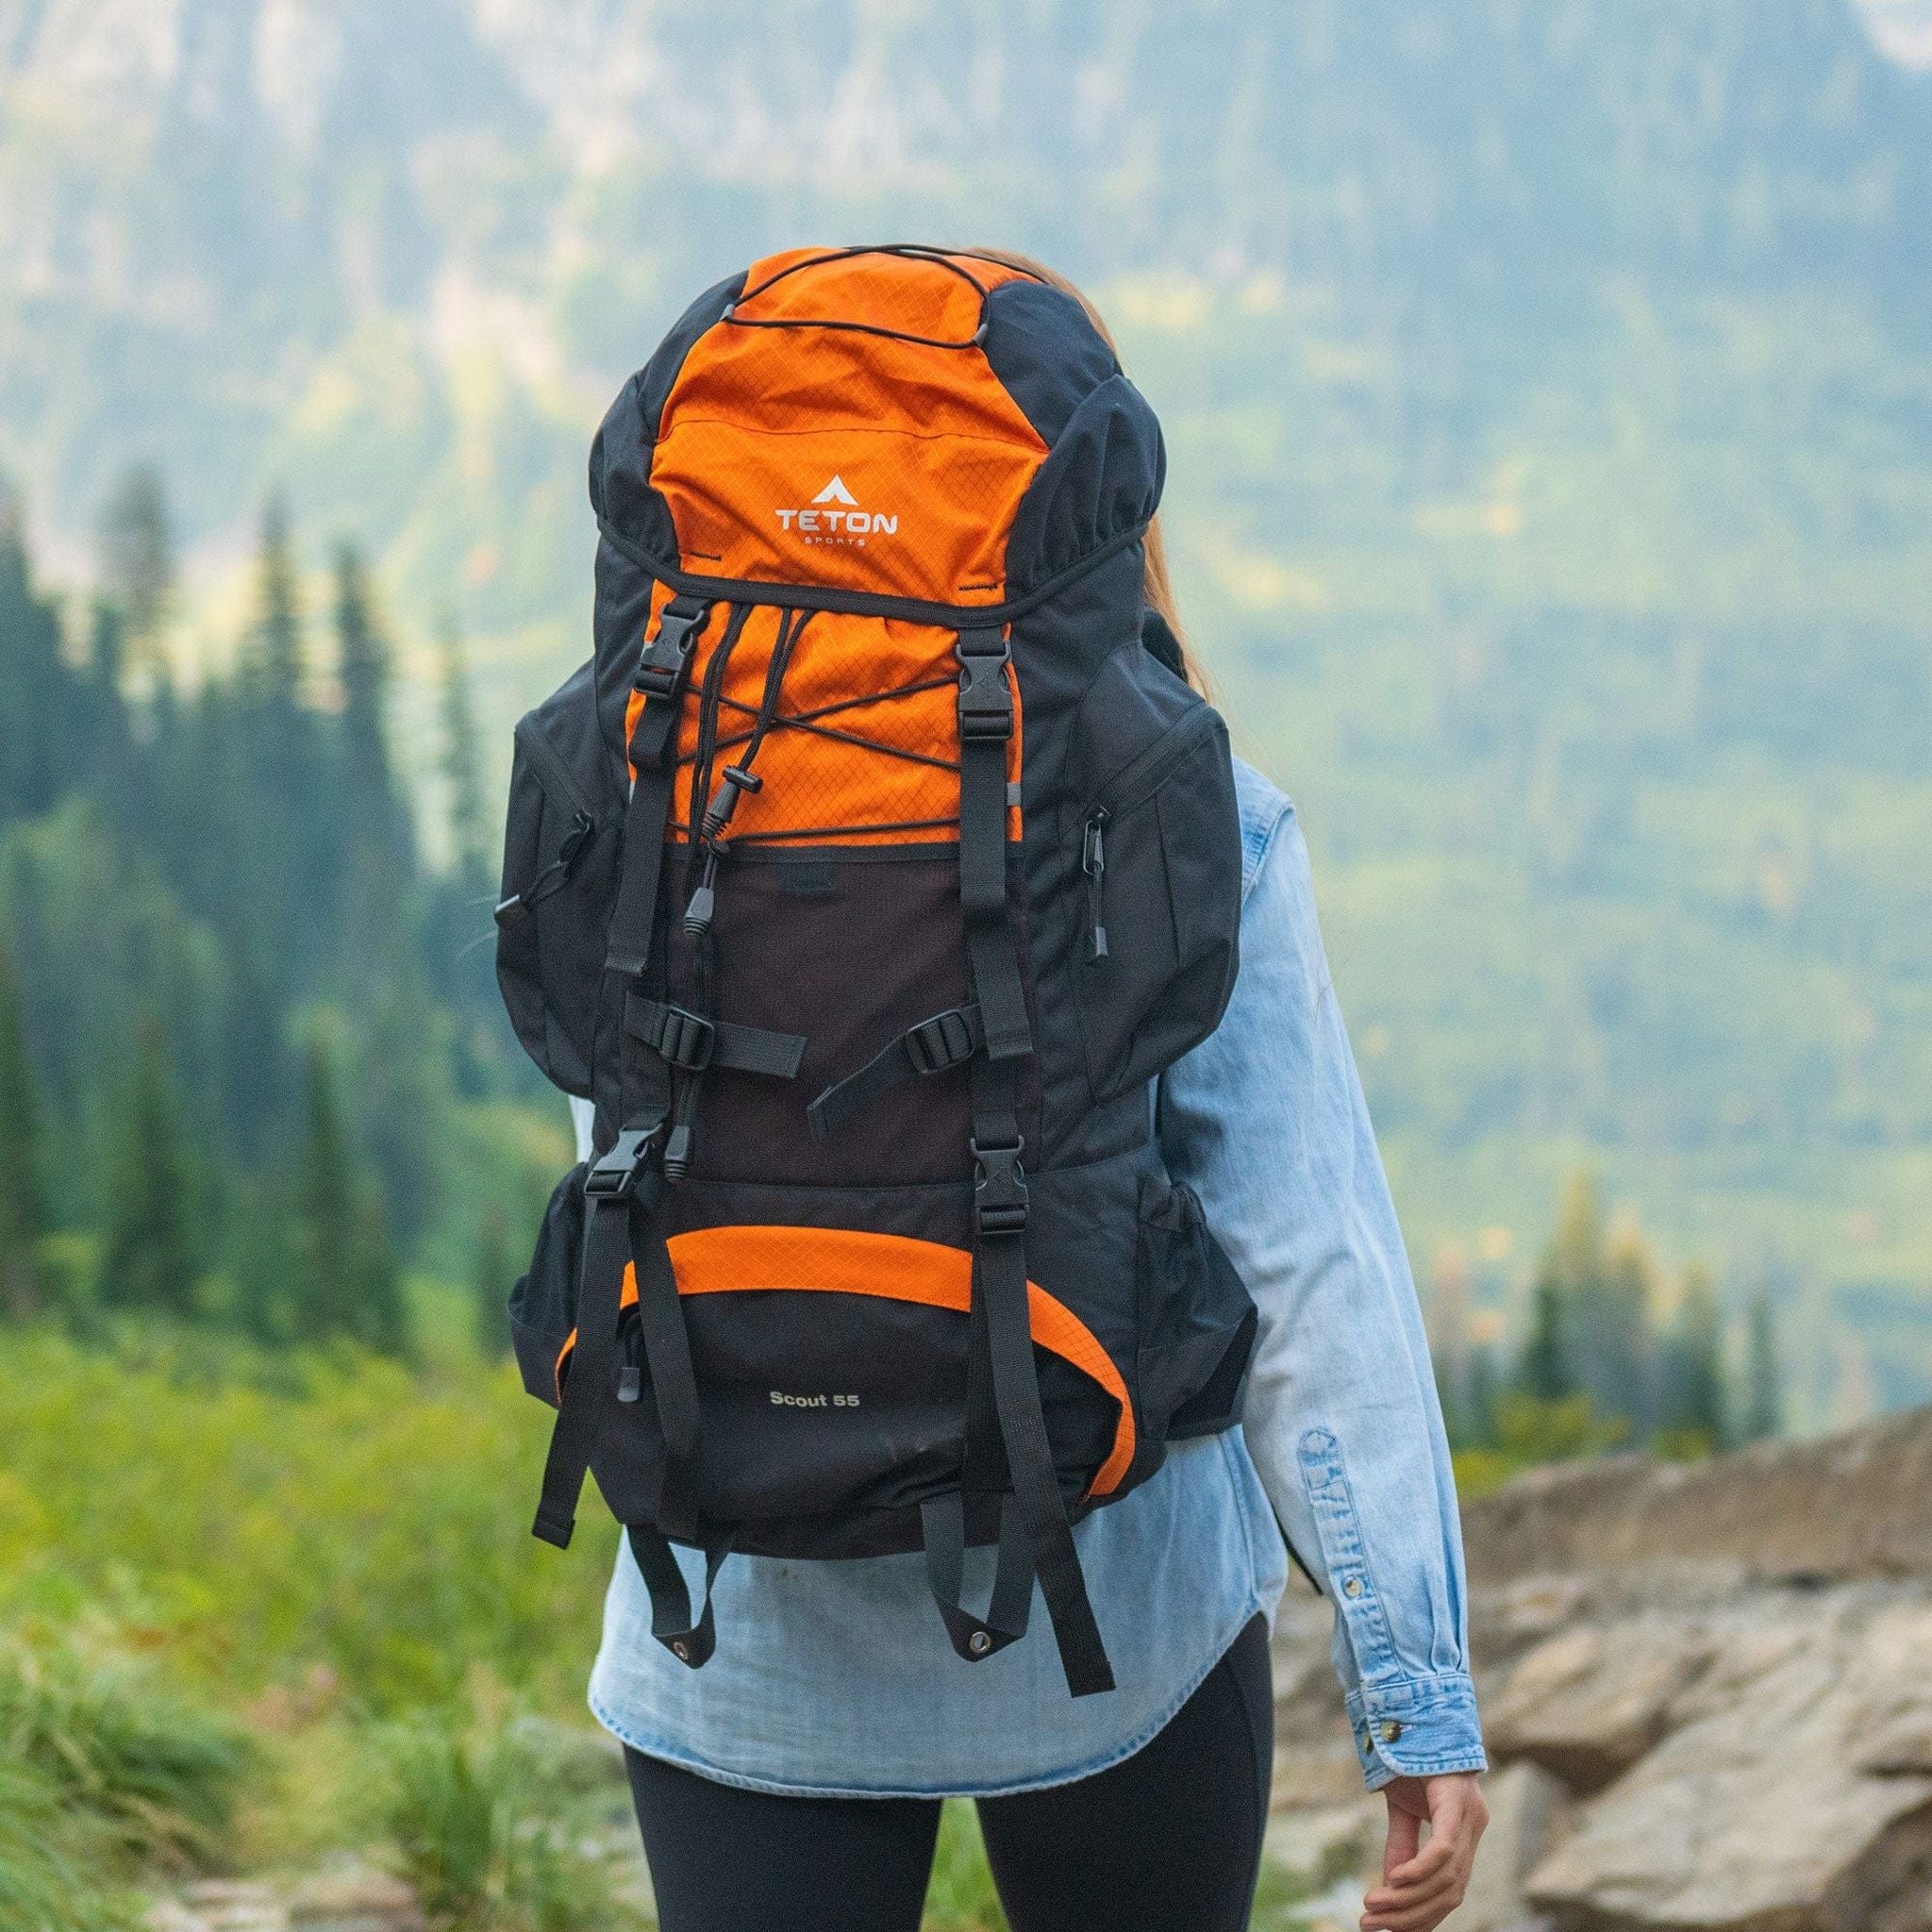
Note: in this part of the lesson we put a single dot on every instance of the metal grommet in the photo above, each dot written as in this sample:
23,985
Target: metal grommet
979,1643
680,1650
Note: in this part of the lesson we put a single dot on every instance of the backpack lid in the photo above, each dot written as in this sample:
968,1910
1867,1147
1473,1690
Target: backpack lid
888,423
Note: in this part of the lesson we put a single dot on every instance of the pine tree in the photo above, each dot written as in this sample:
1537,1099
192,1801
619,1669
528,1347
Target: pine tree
495,1272
32,770
151,1259
1694,1410
363,663
138,555
274,659
1763,1417
23,1204
351,1287
462,766
1544,1370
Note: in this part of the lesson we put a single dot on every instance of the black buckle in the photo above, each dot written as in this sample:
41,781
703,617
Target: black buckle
940,1043
662,662
986,694
685,1039
615,1172
999,1190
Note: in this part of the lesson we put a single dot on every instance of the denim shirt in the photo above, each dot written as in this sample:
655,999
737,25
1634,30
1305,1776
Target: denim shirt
837,1678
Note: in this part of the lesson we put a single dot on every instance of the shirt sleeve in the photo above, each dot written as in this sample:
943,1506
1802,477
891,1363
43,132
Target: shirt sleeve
1267,1121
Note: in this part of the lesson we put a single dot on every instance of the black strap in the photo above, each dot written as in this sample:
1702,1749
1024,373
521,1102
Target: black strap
617,1182
688,1040
986,726
999,1280
690,1639
674,1387
663,670
1003,1379
947,1040
943,1519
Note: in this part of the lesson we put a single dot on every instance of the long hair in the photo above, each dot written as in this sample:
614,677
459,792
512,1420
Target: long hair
1159,586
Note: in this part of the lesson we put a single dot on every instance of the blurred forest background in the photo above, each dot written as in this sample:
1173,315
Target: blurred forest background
1549,409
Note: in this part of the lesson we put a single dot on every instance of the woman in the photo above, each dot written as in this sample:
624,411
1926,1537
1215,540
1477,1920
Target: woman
795,1781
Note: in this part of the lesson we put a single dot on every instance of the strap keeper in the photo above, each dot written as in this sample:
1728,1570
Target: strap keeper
614,1174
986,691
685,1039
942,1043
999,1190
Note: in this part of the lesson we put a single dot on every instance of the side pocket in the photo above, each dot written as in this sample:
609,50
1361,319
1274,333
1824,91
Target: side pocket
1196,1319
1158,851
542,1305
562,839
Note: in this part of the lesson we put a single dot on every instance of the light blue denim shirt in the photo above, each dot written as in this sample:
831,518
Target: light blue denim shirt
836,1678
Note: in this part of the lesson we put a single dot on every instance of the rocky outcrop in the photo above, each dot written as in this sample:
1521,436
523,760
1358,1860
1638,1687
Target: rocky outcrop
1707,1692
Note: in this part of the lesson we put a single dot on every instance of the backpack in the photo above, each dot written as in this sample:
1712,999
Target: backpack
866,879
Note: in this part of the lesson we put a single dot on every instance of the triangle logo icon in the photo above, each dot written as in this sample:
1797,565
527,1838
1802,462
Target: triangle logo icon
836,491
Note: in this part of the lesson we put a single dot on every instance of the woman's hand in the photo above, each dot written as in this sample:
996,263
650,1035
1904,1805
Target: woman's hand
1421,1884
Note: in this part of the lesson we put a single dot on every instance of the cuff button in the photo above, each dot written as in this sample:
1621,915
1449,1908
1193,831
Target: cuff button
1390,1731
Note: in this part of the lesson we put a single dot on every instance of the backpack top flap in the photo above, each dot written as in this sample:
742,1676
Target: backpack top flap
893,426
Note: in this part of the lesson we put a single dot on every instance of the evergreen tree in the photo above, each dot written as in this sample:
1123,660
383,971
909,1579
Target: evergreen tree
1763,1417
1694,1411
496,1273
362,660
462,766
34,760
151,1259
351,1287
23,1204
1544,1370
138,555
1613,1331
273,659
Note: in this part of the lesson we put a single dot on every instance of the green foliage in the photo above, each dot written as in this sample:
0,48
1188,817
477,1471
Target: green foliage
138,555
23,1204
158,1774
959,1897
485,1826
259,1517
153,1257
50,1879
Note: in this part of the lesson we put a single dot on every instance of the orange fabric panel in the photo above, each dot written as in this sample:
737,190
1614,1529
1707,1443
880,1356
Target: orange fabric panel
830,455
838,1261
841,1260
812,778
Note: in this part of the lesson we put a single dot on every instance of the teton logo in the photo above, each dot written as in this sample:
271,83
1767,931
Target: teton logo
835,517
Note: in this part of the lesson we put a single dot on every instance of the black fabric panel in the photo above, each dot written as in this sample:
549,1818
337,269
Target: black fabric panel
1046,354
1103,477
657,376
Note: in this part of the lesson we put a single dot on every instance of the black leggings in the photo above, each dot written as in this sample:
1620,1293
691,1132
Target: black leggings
1168,1839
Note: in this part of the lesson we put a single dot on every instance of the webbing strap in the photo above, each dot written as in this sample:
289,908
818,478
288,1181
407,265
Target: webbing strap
663,669
674,1387
611,1192
688,1040
1002,1331
690,1639
934,1045
999,1279
986,726
943,1520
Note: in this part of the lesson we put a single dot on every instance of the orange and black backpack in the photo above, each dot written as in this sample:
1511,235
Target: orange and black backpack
866,878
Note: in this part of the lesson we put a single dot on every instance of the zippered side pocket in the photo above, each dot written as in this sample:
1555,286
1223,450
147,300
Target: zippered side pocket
1158,850
562,835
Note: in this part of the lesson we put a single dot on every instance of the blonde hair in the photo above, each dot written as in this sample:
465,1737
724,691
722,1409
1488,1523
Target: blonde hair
1158,586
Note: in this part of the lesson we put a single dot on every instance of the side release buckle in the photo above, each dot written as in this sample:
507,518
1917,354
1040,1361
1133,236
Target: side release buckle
999,1190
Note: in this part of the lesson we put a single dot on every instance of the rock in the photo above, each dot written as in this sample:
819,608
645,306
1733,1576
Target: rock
1753,1814
1845,1507
1586,1705
1527,1809
1316,1846
354,1898
233,1905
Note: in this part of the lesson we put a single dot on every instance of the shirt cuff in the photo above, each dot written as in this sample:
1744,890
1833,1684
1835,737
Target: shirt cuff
1416,1728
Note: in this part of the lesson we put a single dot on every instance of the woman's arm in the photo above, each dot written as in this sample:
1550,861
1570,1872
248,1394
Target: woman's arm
1266,1120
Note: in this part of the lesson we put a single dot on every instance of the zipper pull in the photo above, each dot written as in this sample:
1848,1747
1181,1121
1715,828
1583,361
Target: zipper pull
1093,863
